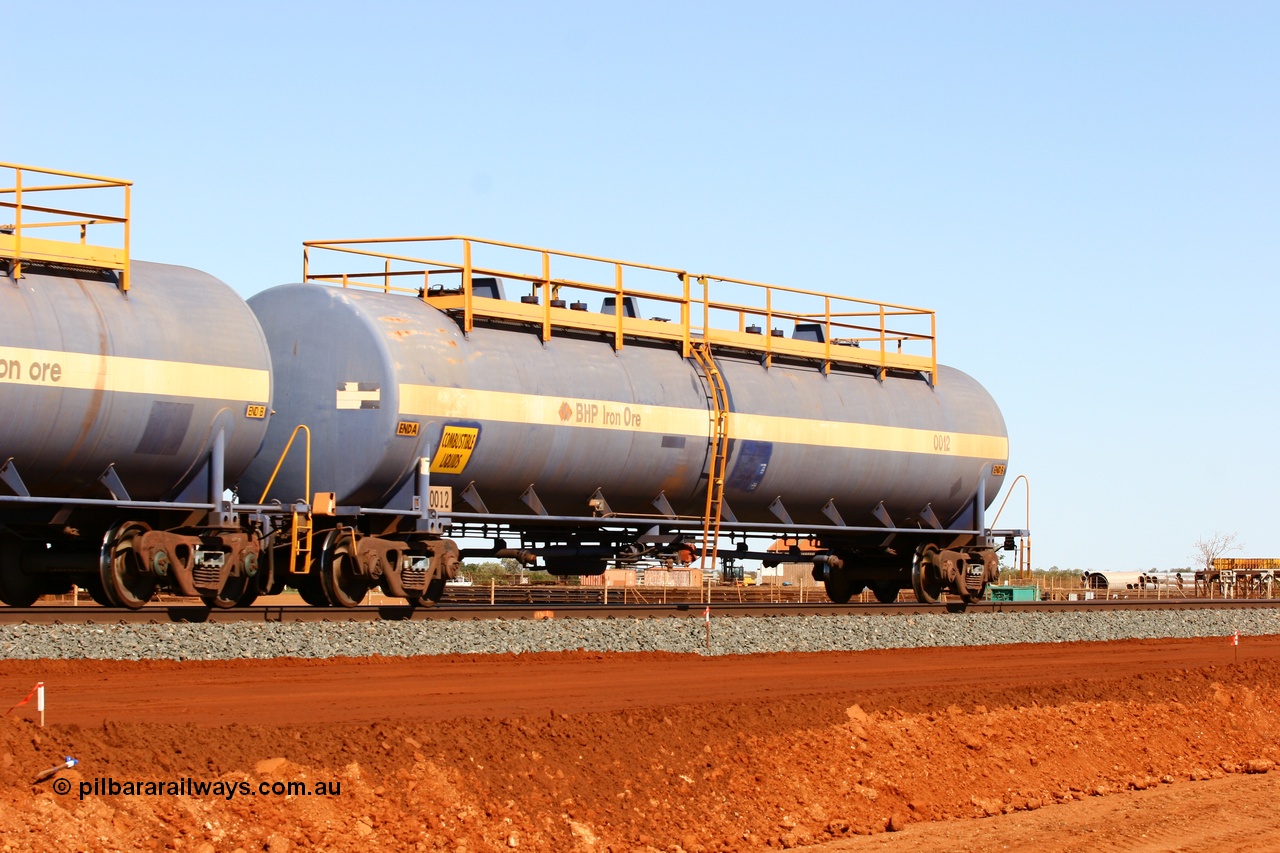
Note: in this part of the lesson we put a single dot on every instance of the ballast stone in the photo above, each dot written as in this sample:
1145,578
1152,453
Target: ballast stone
729,635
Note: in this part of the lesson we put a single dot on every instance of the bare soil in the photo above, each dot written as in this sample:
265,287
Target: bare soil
1139,746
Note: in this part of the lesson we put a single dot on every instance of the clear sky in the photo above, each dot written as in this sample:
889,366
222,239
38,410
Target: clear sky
1088,193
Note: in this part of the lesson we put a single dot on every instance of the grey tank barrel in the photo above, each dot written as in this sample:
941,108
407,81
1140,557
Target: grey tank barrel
383,380
93,379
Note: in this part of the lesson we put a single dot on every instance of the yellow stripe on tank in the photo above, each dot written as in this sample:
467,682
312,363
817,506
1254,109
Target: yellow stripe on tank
472,404
122,374
866,436
430,401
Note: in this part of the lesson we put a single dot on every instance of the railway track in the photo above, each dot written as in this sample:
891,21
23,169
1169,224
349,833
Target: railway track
190,613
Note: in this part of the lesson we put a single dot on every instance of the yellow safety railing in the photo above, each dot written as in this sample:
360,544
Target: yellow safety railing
1246,564
724,312
301,530
17,244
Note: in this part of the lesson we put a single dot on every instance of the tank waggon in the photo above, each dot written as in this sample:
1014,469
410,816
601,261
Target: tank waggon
131,393
598,435
434,407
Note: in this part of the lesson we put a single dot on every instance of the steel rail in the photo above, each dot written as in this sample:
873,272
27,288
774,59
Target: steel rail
90,614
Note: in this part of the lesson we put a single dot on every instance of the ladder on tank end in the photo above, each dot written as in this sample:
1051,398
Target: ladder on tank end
300,544
719,398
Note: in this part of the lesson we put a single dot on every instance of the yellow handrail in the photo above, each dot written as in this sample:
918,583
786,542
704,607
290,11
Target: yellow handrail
1024,553
19,248
283,455
857,331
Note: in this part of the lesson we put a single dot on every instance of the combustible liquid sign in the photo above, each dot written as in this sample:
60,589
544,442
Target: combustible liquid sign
456,445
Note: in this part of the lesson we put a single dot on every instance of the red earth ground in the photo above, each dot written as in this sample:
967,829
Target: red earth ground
1139,746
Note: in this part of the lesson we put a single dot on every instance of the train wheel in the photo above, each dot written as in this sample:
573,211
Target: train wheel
249,596
977,580
17,588
435,591
125,581
239,590
309,589
92,584
233,594
885,594
924,575
839,585
430,596
342,585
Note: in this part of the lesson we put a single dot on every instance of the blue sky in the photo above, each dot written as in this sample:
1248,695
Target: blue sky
1087,193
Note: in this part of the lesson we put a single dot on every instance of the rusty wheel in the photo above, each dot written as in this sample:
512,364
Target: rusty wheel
924,574
17,588
250,595
126,582
976,568
342,584
428,597
885,593
839,585
93,586
435,591
235,591
309,589
240,588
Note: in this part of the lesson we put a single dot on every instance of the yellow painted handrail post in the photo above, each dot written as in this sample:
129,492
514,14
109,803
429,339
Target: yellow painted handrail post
546,297
17,225
684,315
426,284
306,263
933,337
826,349
618,303
124,274
768,327
706,307
386,275
883,351
467,308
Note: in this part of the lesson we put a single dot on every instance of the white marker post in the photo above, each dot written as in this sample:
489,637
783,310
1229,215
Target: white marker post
40,701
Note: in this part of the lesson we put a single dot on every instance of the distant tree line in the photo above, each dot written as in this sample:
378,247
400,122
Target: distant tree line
503,572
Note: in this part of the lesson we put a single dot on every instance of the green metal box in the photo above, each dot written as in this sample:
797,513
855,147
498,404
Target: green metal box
1013,593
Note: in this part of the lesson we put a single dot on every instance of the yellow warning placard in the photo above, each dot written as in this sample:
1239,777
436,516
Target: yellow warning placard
456,444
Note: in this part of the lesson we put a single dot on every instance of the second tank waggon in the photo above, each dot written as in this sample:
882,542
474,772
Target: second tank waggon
550,408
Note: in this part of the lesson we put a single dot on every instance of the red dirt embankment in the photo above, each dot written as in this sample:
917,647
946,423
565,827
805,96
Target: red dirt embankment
637,752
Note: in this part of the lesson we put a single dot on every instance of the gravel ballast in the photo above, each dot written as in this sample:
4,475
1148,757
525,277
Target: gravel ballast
729,635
